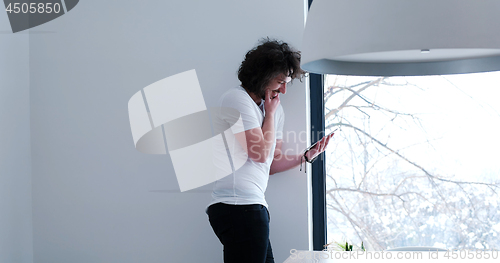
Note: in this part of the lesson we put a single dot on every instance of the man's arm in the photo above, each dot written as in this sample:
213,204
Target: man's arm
259,141
283,162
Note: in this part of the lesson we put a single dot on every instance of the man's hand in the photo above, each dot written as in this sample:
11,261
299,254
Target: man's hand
319,147
270,103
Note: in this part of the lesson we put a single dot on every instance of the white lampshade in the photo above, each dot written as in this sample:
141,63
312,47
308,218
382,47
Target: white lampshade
402,37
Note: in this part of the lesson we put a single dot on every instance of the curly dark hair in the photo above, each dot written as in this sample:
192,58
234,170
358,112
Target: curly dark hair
265,62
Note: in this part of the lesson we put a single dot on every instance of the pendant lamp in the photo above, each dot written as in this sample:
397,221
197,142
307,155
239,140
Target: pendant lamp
402,37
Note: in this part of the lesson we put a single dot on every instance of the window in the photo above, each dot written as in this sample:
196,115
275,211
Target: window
415,162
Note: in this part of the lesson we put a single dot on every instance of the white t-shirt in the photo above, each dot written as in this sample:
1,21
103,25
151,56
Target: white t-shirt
247,184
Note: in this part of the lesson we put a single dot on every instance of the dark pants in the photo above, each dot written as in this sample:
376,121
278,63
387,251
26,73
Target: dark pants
243,230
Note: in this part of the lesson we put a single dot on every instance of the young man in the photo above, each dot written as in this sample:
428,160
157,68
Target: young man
238,212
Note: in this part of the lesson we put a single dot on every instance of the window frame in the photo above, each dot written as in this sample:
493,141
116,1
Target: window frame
318,168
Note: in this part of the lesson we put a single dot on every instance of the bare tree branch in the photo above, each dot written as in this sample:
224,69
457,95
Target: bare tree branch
406,159
374,201
335,111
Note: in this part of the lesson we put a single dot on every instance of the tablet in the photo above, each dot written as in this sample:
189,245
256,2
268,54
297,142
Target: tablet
310,147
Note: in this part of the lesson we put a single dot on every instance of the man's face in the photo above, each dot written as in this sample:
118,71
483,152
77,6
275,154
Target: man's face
277,85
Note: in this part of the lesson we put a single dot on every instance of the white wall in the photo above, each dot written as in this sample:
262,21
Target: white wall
16,235
97,199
